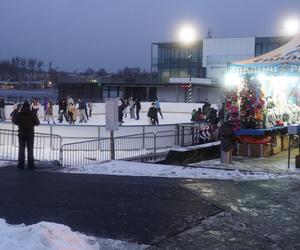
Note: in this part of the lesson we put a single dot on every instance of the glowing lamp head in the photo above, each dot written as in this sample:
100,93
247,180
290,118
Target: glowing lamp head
292,26
187,34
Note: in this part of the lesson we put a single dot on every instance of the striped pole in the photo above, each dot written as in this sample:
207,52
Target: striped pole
190,81
190,90
190,93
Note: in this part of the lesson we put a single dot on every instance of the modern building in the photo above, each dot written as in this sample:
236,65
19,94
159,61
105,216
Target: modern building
204,64
173,68
98,90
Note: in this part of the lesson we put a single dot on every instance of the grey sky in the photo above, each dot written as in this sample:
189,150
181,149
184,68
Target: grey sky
75,34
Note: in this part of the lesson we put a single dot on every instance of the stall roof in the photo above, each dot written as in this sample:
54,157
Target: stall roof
288,54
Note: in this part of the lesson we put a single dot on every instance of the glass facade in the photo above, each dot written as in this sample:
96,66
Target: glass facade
172,60
266,44
175,61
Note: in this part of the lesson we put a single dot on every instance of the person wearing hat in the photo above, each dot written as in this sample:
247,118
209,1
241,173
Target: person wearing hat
25,119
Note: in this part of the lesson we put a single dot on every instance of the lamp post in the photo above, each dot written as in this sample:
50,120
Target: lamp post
291,26
190,77
187,36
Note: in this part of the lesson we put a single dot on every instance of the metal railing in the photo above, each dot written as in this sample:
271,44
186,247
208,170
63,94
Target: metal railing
96,151
46,147
81,133
132,146
49,147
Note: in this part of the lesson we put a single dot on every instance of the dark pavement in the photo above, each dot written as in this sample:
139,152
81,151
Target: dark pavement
138,209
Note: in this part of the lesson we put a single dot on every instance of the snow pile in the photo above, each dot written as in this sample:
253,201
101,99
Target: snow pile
43,236
52,236
158,170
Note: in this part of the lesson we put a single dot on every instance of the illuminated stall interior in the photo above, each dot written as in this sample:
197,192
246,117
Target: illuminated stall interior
264,91
262,98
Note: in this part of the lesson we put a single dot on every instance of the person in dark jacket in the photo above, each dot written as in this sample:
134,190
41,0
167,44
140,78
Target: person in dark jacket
26,120
137,106
2,109
152,114
62,110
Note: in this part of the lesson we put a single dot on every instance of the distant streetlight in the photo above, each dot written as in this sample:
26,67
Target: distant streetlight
187,35
291,26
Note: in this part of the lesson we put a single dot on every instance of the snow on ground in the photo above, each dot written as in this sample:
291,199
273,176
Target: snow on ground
52,236
158,170
5,163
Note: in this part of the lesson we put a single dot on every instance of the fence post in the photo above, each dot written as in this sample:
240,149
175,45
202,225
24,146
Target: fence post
182,136
193,135
154,138
143,146
61,156
51,132
112,145
99,136
177,132
13,135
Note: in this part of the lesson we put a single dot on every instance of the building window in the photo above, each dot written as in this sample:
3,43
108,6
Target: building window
174,73
258,49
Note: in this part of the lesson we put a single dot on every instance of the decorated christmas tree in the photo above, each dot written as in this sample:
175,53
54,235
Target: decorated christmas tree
252,104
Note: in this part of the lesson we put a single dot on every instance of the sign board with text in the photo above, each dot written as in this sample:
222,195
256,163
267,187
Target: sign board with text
111,114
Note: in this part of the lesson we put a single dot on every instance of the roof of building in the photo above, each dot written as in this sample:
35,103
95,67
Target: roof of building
286,55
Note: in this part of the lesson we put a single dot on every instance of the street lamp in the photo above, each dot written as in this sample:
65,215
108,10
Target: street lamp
187,36
291,26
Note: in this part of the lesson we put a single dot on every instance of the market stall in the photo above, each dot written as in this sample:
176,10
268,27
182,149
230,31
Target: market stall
263,98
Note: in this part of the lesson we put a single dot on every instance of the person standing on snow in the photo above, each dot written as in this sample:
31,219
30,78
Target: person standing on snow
120,110
34,106
2,109
138,107
131,108
157,104
72,113
49,112
81,108
25,119
91,105
152,115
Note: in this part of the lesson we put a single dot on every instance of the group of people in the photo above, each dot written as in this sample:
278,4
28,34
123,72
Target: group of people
206,114
130,105
67,109
70,110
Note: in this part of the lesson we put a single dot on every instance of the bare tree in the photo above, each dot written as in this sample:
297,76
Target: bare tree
31,66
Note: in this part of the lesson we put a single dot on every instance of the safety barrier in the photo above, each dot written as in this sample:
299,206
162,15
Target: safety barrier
77,133
131,146
95,151
46,147
49,147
